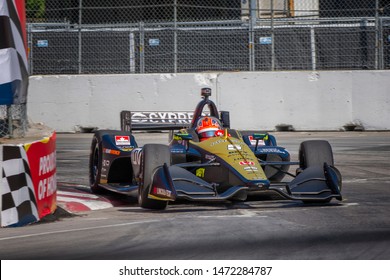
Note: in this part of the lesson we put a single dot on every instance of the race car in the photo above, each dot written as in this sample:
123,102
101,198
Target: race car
206,160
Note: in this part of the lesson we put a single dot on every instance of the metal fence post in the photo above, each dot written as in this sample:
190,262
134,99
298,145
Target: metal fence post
364,46
313,48
381,59
141,48
10,121
379,64
272,37
132,52
29,48
80,39
252,24
175,36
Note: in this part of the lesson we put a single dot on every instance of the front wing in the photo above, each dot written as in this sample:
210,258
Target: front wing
319,184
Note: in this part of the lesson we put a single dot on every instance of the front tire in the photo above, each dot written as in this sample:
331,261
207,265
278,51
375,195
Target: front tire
95,162
153,156
314,153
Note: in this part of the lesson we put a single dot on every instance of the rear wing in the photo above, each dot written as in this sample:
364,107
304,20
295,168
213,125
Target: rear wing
159,120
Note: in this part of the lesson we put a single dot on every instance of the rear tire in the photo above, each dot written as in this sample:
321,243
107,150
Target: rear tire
154,156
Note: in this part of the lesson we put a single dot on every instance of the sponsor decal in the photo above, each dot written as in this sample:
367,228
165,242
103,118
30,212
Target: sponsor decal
106,162
221,132
237,158
236,141
271,150
136,156
161,192
47,166
238,154
200,172
253,141
126,149
111,152
209,157
218,142
244,162
239,142
162,117
42,161
234,147
250,168
177,151
122,140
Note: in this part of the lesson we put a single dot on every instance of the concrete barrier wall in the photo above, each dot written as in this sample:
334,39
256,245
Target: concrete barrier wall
256,100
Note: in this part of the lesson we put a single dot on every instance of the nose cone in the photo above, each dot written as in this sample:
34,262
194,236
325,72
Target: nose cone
237,155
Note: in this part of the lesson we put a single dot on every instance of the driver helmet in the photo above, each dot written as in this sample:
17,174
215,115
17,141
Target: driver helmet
207,127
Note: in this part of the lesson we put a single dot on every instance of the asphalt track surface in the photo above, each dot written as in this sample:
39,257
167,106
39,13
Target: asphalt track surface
356,228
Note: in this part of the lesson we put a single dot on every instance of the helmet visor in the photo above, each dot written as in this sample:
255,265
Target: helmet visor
207,134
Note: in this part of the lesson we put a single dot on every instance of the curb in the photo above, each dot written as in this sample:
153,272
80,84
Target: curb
73,200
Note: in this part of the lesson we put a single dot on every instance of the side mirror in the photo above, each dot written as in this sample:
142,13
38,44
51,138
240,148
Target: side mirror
258,137
182,136
225,118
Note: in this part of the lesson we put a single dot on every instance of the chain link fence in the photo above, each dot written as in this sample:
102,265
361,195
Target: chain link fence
13,121
176,36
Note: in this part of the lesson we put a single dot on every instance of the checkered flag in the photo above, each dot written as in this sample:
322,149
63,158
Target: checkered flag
19,205
13,55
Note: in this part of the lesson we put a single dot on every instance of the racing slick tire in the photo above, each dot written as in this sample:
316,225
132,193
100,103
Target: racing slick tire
95,162
314,153
154,156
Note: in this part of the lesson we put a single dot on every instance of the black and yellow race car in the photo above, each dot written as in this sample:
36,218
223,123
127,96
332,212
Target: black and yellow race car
206,160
